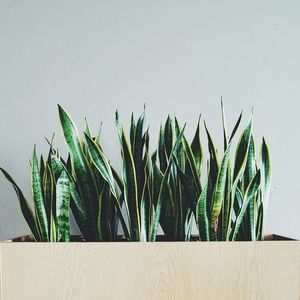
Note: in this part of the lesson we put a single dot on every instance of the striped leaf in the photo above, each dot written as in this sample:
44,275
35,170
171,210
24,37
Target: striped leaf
49,196
137,154
202,216
77,205
224,126
162,151
83,172
164,188
249,194
197,149
63,208
249,174
104,168
242,152
192,165
266,169
101,163
213,159
219,191
168,136
130,184
37,193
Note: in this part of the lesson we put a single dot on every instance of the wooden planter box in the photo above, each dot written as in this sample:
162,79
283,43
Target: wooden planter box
161,270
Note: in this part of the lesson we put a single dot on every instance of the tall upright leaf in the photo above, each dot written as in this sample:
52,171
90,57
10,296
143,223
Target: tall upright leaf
63,208
77,204
224,126
219,191
130,184
202,215
213,159
38,198
249,194
241,154
137,154
242,151
104,168
164,188
83,172
266,169
250,171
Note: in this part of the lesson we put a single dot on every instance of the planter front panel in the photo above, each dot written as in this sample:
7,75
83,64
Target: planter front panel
214,270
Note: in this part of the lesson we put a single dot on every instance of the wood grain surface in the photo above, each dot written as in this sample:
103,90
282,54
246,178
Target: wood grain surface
195,270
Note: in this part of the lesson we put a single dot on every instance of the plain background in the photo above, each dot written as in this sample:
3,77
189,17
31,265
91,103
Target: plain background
94,57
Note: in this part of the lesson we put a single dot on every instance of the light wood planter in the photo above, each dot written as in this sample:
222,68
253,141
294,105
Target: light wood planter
162,270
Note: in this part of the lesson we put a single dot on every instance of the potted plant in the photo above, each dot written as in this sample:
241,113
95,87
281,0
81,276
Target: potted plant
167,188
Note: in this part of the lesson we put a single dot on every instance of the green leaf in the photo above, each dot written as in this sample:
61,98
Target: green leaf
249,174
53,236
101,163
49,190
241,155
219,191
42,167
147,199
242,152
104,228
162,151
213,160
137,153
259,225
78,208
63,208
167,220
250,168
104,168
180,155
197,149
226,208
189,188
164,188
87,130
249,194
202,215
132,131
38,198
192,165
266,169
188,226
130,184
224,126
97,140
83,172
157,178
25,207
236,126
168,136
145,214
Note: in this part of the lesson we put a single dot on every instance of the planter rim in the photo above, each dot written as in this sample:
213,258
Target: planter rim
121,239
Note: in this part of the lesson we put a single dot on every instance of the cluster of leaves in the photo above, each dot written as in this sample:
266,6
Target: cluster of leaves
159,189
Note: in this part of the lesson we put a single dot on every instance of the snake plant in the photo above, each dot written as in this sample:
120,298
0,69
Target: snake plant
233,201
49,220
167,188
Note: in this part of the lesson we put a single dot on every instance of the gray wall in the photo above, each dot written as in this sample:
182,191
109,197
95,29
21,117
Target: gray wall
176,56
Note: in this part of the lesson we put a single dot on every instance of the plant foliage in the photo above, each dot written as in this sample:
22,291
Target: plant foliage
168,188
